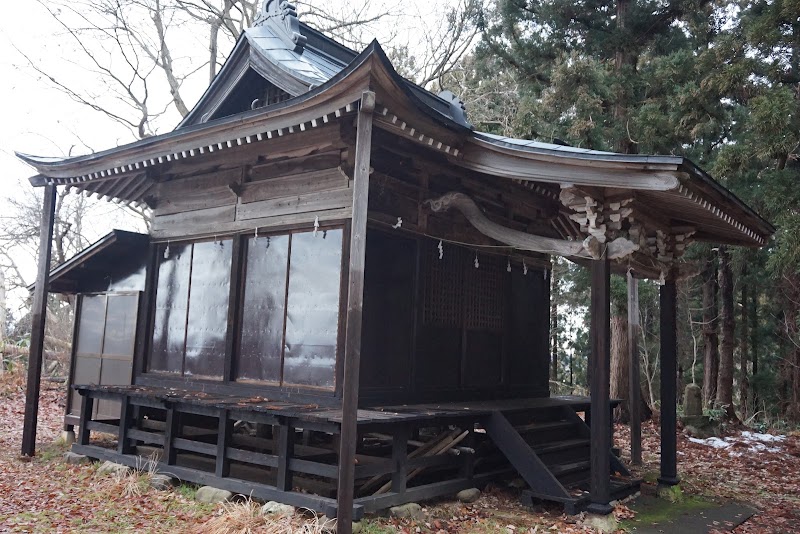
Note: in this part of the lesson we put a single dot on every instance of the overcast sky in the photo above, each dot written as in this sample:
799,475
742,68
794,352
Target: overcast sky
39,119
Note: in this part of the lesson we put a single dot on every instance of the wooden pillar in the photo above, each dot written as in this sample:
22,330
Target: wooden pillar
399,459
285,449
224,437
125,417
669,385
634,387
600,448
38,314
355,301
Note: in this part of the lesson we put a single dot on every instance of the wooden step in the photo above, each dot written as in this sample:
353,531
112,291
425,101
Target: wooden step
562,470
557,446
541,433
537,427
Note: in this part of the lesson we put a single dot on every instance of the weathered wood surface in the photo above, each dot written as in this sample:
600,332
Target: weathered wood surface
184,222
38,314
635,387
295,166
600,364
669,383
293,205
329,179
195,193
275,223
220,203
355,303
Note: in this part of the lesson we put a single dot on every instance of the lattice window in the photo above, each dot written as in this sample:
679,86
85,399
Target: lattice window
444,303
274,94
483,294
456,294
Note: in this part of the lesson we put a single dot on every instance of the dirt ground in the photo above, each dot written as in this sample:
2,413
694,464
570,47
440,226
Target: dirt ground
47,495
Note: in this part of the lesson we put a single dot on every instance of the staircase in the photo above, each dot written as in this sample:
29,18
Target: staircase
550,451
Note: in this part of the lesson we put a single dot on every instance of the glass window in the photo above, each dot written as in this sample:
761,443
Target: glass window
120,332
263,309
172,297
191,315
93,316
312,310
207,323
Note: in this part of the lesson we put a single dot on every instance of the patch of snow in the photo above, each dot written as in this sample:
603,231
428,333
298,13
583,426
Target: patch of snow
746,442
715,442
766,438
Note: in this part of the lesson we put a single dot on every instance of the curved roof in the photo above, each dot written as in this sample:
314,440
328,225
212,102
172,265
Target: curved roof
325,80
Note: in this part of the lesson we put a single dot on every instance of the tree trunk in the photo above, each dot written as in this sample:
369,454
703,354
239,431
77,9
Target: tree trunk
725,377
744,349
2,309
553,325
754,342
619,367
623,60
710,337
790,363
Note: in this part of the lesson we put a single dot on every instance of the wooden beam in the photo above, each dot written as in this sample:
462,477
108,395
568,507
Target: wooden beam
669,384
600,481
524,459
635,385
38,313
355,301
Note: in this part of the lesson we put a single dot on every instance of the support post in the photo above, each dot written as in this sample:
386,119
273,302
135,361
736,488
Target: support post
634,386
400,458
283,480
87,407
224,435
355,301
125,417
669,385
38,314
171,431
600,482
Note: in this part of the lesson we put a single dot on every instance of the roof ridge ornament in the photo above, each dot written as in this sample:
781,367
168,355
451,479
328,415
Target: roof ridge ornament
457,106
281,17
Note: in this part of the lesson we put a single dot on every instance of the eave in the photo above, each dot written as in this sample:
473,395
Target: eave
116,245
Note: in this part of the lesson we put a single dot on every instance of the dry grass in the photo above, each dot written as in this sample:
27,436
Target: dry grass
246,517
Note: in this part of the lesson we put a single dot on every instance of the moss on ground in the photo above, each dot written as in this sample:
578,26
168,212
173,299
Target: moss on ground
655,511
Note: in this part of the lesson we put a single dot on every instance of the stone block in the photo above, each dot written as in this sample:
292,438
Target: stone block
468,496
411,510
210,495
110,468
160,482
75,459
277,508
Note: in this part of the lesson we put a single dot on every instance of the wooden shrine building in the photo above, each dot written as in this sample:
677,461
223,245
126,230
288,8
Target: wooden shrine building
343,300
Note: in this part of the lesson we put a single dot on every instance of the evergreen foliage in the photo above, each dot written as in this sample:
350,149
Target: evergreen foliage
716,81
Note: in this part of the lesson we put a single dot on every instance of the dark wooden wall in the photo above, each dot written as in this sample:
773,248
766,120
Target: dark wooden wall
441,329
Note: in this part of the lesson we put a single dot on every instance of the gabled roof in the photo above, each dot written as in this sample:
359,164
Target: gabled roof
295,65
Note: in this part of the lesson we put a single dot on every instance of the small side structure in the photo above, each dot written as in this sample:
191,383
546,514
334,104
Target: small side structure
343,300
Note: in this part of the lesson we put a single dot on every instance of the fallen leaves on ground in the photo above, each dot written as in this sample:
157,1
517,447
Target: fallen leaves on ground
44,494
767,478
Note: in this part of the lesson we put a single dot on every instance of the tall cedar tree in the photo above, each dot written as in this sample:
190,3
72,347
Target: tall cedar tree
619,75
757,67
